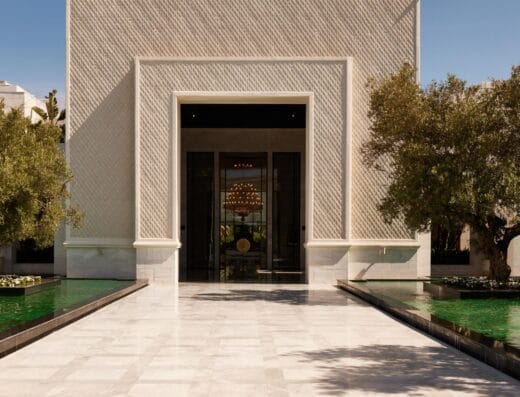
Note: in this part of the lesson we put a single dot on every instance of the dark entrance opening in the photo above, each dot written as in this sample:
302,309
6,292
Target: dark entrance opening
242,116
242,194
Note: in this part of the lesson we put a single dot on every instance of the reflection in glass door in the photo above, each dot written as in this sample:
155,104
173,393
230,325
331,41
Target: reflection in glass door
286,265
200,216
243,217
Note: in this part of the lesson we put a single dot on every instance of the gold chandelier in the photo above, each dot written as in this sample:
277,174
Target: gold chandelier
243,199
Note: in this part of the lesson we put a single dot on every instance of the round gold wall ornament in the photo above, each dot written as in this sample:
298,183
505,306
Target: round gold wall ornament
243,245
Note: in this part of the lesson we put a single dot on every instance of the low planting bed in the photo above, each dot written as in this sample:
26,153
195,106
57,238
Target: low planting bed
25,285
474,288
482,283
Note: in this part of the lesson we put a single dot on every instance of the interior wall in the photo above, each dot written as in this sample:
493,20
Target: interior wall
243,139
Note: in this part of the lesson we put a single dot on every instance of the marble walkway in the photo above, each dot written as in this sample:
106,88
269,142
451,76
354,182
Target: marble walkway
244,340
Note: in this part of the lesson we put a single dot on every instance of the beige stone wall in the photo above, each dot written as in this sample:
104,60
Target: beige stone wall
326,79
106,35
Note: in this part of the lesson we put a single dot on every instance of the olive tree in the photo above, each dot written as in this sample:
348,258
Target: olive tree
452,153
33,180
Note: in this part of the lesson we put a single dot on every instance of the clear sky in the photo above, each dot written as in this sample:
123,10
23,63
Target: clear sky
475,39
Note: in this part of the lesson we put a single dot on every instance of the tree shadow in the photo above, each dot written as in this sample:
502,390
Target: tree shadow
407,370
283,296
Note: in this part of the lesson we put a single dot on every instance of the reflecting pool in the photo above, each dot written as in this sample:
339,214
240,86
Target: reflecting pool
16,312
496,318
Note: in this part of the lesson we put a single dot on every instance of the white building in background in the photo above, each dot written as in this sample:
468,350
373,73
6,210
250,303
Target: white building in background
15,96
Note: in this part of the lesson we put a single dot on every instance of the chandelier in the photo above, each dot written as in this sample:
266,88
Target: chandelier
243,199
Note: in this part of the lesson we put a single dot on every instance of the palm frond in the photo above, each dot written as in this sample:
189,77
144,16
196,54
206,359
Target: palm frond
40,112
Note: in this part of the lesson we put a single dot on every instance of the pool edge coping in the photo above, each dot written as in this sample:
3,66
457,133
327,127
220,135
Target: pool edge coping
14,342
493,357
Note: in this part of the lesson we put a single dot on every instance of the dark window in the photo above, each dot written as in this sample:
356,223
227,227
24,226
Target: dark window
27,252
446,246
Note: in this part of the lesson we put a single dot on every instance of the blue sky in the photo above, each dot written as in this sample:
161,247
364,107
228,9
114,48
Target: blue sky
475,39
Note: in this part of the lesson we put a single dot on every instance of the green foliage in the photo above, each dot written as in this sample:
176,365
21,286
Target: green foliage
452,155
481,283
19,281
52,113
33,180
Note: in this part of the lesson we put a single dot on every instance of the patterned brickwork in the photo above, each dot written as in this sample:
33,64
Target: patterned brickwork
160,79
105,35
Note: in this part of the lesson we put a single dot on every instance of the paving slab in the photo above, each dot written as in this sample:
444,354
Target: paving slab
244,340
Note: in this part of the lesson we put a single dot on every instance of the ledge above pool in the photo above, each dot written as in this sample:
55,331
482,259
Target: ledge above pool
24,319
498,354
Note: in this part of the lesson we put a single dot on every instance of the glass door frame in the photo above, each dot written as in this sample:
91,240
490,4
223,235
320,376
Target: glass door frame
265,186
217,154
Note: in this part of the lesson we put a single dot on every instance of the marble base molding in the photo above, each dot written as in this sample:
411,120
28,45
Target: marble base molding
326,260
101,262
158,264
330,260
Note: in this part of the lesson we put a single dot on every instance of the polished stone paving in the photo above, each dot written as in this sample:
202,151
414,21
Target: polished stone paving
244,340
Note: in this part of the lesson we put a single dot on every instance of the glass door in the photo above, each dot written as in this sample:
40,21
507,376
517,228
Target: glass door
243,217
286,223
200,216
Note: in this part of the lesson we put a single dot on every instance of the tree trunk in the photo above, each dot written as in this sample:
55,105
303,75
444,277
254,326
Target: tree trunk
499,270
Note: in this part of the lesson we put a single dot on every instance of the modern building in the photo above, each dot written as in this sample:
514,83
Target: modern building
220,141
15,97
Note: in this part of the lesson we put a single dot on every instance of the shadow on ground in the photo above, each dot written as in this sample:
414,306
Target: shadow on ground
407,370
285,296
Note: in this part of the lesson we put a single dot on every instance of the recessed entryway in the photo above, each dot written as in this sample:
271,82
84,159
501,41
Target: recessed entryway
242,193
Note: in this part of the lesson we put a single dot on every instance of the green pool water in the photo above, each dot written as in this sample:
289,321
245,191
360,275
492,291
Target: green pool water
18,310
496,318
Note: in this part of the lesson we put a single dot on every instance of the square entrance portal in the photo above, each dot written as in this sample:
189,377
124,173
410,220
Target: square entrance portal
242,192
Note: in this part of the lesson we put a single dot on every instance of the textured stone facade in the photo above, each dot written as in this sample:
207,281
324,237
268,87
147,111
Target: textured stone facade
326,79
311,36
